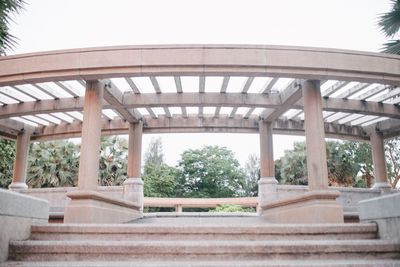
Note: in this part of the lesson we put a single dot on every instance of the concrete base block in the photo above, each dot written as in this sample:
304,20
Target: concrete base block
17,213
267,190
385,212
312,207
93,207
133,191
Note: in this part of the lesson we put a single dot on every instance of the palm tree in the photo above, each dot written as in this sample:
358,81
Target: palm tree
53,164
113,160
8,7
389,24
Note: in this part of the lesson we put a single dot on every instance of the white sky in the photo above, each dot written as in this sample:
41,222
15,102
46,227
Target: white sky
63,24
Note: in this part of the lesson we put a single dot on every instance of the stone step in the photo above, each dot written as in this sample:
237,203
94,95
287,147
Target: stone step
203,250
227,263
143,232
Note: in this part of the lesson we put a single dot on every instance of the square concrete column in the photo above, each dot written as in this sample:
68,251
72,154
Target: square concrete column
317,167
319,205
133,186
87,205
21,162
267,185
378,159
91,135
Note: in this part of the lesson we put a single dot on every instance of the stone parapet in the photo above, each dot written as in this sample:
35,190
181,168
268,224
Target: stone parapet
312,207
385,212
17,213
93,207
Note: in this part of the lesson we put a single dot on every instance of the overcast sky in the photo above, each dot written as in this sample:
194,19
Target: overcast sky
63,24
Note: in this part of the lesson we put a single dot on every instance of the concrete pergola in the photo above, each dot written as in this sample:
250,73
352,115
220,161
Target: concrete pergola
200,88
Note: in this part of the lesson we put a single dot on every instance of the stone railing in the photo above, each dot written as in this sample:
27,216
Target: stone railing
57,198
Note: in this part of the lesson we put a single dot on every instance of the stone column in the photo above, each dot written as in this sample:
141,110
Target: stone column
91,134
20,162
378,159
267,185
315,136
133,186
87,205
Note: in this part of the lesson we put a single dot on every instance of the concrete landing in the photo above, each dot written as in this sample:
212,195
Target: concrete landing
201,218
250,263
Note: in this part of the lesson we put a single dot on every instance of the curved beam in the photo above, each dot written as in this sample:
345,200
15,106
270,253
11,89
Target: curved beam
221,60
131,100
194,124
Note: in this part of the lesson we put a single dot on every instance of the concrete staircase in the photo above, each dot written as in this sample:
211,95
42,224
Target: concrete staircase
185,242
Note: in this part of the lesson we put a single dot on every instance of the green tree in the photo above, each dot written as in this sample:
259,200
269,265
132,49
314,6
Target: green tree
361,155
160,181
345,161
7,8
210,172
252,172
392,151
389,24
53,164
340,164
113,160
7,152
154,154
294,166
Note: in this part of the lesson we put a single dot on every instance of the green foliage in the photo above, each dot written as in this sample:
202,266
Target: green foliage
389,24
210,172
252,174
345,161
392,153
113,160
7,152
340,165
154,154
361,156
278,170
53,164
231,208
294,166
159,180
7,8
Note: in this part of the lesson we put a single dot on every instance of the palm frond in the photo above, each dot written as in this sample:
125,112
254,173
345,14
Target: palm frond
389,23
392,47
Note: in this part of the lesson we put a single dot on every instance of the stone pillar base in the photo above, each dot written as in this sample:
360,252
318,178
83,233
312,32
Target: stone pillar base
17,186
93,207
133,191
267,190
384,187
312,207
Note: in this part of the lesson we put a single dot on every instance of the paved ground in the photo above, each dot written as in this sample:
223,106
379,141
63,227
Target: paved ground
201,218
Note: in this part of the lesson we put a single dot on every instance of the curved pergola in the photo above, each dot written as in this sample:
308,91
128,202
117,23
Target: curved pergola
360,89
200,88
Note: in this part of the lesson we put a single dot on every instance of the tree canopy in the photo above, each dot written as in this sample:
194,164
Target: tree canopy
7,9
349,164
53,164
7,152
211,171
389,24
